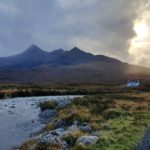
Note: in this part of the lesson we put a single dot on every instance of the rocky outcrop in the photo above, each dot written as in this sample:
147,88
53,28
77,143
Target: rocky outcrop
87,140
57,135
64,135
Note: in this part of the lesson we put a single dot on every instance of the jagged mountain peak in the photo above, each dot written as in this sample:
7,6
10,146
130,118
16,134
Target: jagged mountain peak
60,65
76,50
33,49
58,51
34,56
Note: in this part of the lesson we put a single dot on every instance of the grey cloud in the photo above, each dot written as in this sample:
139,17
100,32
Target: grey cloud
99,26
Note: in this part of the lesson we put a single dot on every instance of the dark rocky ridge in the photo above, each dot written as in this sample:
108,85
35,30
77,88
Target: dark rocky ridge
34,57
73,66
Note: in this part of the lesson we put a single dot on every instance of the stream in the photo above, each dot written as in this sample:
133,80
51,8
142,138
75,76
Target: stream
19,118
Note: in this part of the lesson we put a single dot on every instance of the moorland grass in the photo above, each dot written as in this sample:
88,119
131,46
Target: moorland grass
48,105
120,119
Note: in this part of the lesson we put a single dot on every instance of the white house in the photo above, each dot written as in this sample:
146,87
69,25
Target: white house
133,83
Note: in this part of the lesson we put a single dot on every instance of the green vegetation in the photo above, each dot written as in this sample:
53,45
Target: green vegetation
19,90
48,105
119,119
72,137
27,145
31,145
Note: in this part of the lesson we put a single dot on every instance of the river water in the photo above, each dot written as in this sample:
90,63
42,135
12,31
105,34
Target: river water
19,117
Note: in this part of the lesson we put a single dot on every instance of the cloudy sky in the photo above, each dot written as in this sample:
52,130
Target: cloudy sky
118,28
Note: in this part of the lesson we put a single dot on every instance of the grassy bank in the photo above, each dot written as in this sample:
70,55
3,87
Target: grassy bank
17,90
119,119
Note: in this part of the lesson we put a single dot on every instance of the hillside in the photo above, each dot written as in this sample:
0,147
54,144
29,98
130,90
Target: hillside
73,66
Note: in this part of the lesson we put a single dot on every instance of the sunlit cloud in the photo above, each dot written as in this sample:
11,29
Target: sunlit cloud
140,44
117,28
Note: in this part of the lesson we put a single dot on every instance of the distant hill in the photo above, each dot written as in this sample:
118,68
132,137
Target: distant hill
73,66
35,57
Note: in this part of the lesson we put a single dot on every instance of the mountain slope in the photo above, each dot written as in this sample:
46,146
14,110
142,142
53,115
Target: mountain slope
74,66
34,57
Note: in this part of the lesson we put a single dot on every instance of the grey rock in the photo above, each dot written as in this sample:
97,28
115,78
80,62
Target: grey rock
72,128
63,144
12,106
87,140
96,133
59,124
85,124
76,122
58,132
86,128
52,139
47,139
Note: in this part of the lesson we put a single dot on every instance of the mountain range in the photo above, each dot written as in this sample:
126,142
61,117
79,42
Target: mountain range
67,66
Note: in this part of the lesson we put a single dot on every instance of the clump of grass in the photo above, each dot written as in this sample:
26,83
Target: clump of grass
114,113
48,147
96,104
48,105
30,144
71,138
80,147
73,112
33,145
49,127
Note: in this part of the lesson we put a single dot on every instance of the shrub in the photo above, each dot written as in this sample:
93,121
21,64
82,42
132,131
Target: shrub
80,147
96,104
48,105
48,147
113,113
49,127
72,113
72,137
27,145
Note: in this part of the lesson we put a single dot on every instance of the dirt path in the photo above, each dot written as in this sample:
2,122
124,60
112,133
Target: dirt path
145,143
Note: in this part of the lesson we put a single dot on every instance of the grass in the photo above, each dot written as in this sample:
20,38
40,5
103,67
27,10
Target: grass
72,137
24,90
120,119
29,144
119,134
48,105
72,113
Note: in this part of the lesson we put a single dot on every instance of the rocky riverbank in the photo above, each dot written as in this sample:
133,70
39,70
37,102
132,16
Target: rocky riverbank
21,117
110,121
58,134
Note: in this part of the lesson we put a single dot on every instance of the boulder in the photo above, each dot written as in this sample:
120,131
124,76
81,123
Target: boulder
76,122
72,128
86,128
63,144
87,140
53,140
48,139
58,132
96,133
59,124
